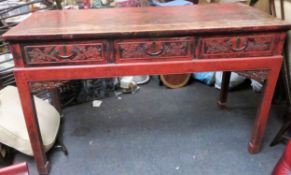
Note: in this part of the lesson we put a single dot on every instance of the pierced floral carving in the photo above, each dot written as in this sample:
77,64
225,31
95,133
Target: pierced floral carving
45,85
259,75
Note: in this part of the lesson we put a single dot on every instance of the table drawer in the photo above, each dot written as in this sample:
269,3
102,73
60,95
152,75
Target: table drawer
158,49
71,53
240,46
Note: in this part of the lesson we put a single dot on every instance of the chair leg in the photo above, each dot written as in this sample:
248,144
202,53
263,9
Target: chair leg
224,90
285,127
32,125
264,109
60,141
278,138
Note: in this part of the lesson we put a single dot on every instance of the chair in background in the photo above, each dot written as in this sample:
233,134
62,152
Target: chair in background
283,167
18,169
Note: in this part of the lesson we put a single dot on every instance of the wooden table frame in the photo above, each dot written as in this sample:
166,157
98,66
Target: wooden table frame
130,41
25,75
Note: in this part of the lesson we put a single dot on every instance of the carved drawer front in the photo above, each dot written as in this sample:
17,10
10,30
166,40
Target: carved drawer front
240,46
72,53
160,49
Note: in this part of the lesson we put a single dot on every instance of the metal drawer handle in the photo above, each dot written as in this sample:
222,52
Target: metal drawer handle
154,47
71,56
237,48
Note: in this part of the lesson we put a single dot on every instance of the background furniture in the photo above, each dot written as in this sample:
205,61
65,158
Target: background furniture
18,169
10,16
11,13
283,167
175,81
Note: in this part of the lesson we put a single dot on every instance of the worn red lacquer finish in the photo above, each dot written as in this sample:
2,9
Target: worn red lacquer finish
65,53
65,45
156,49
265,44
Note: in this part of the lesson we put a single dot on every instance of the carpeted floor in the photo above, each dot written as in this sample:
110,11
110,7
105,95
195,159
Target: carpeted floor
160,131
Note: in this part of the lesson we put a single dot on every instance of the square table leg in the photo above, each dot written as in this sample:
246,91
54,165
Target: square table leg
224,89
264,108
32,125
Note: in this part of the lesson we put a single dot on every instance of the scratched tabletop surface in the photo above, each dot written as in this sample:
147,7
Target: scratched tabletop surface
146,21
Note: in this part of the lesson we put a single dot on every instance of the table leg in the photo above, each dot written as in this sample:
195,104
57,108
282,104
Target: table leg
263,111
224,89
28,108
56,99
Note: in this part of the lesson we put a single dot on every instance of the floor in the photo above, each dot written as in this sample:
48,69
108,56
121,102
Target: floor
160,131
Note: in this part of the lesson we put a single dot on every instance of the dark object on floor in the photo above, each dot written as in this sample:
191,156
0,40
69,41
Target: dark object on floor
18,169
175,81
69,93
283,167
7,155
95,89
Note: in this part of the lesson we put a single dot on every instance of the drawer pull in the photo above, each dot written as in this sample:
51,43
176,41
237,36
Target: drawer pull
237,48
154,48
71,56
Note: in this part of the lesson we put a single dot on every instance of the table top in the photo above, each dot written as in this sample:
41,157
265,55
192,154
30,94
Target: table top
146,22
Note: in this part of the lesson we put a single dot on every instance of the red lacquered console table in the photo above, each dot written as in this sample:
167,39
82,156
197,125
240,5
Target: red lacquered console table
82,44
